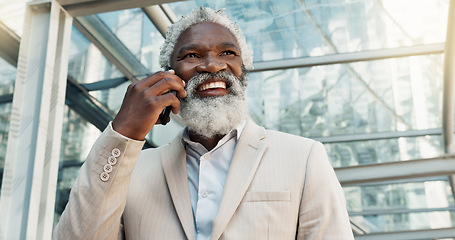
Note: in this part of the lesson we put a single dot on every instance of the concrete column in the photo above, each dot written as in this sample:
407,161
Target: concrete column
449,81
32,158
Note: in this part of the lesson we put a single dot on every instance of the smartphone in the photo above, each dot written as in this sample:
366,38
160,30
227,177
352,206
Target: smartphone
164,116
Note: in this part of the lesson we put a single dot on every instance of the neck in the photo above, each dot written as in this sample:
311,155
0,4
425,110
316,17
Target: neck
208,143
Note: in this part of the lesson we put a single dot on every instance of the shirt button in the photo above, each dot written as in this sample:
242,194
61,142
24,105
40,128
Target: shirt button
107,168
104,176
112,160
115,152
207,156
204,194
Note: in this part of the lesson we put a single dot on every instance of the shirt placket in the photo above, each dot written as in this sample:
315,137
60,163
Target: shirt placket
206,204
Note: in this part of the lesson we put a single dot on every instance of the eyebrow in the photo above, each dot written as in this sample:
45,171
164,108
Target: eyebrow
191,47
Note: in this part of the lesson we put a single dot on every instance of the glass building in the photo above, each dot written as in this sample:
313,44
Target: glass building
374,80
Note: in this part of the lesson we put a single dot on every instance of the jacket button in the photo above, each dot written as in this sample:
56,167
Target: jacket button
112,160
107,168
116,152
104,176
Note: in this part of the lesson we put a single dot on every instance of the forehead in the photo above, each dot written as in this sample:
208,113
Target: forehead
208,35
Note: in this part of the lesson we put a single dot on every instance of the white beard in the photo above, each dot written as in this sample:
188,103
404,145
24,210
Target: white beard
211,116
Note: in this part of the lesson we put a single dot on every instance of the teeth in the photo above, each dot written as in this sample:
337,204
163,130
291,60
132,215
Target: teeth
213,85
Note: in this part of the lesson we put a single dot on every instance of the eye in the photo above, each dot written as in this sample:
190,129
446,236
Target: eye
190,55
228,52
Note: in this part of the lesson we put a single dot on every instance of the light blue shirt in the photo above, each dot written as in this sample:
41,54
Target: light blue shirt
207,172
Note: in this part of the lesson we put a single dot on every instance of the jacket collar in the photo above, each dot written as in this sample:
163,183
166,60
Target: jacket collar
173,159
247,156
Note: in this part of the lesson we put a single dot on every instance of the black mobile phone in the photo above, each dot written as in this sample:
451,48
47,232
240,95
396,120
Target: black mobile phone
164,115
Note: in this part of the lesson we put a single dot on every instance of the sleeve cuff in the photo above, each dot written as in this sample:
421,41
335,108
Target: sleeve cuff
111,129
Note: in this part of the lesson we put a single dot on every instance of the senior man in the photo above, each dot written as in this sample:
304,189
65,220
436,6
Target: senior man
223,177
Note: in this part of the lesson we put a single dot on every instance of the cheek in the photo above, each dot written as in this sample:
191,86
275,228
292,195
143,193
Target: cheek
184,71
236,67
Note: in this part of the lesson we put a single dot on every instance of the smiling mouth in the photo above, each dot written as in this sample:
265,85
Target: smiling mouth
212,85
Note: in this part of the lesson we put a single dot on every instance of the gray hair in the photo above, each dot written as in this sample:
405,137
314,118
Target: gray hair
202,15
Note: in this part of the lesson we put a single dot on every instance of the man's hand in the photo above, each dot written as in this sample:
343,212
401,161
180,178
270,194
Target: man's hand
144,101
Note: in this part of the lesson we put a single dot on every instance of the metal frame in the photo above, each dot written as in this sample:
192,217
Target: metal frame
10,42
7,98
78,8
429,167
414,235
378,135
349,57
104,84
449,87
159,18
404,181
449,82
401,211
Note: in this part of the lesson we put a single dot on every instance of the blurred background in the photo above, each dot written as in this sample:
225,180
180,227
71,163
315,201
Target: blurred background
371,79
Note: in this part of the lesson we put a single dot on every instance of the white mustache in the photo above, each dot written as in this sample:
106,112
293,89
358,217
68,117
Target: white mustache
228,77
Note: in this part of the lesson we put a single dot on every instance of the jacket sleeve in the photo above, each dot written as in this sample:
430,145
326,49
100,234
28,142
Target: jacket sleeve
322,213
98,196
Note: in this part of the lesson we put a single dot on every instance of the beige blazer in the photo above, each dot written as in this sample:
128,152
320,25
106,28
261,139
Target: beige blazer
279,186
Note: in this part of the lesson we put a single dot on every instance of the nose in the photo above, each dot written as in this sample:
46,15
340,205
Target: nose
211,64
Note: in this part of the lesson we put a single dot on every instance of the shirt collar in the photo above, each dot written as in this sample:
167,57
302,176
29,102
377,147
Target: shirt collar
237,131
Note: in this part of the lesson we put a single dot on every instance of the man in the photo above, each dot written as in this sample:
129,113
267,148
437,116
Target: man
223,177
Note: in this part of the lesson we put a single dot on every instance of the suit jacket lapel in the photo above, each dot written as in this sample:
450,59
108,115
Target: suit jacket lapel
248,153
173,158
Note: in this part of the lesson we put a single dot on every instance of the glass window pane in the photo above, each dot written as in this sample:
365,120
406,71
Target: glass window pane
7,80
345,154
78,137
401,206
7,77
5,116
12,14
112,98
137,33
405,222
86,63
388,95
296,28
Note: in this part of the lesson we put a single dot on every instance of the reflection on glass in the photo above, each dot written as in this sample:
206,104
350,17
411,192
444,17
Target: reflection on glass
112,98
297,28
12,14
78,137
86,63
401,206
5,115
7,77
7,80
135,30
404,222
346,154
389,95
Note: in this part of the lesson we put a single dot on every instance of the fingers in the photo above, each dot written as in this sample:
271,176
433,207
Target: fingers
145,100
161,83
169,99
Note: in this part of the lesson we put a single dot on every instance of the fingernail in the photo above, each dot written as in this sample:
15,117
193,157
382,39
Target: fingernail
171,71
184,83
